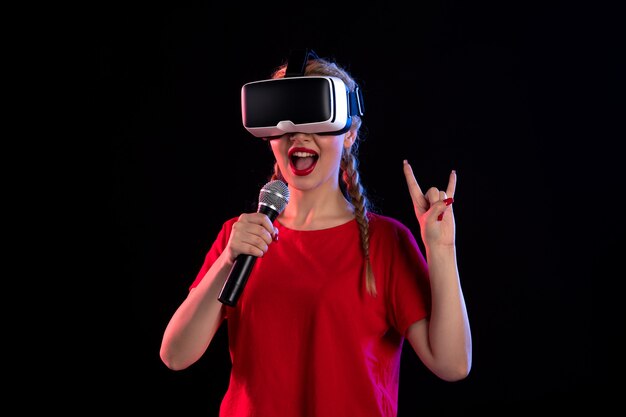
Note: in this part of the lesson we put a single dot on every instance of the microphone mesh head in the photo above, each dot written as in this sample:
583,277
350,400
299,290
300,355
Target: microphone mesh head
274,194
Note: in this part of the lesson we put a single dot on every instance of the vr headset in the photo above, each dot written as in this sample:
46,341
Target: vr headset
298,103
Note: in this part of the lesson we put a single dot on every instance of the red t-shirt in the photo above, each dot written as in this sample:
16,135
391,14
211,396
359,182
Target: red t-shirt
306,339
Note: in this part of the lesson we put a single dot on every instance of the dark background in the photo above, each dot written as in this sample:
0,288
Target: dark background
522,99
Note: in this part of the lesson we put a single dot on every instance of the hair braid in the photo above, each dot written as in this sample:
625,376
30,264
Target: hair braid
357,196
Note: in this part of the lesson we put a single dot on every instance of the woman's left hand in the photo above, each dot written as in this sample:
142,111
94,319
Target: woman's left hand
433,209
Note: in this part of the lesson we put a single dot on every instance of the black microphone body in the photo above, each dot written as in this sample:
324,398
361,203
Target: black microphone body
272,201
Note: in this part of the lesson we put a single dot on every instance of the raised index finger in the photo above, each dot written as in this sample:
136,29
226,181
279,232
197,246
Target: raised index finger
414,189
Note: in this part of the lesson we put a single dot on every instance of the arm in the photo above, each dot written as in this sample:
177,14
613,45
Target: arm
197,319
443,342
195,322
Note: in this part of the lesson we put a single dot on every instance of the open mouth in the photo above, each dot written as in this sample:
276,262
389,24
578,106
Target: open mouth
302,161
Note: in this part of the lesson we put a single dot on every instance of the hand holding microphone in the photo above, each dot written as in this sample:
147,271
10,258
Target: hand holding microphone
273,199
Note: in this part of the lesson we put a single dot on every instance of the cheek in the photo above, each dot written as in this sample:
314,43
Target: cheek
278,151
332,145
275,147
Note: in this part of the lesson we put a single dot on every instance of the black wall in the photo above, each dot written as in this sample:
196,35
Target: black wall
521,99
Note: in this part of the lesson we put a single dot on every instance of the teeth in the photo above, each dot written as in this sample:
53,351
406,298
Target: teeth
303,154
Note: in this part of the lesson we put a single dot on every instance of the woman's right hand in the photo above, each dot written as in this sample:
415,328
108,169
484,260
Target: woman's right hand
251,234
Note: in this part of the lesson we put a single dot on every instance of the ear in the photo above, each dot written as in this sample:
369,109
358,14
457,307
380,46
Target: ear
349,138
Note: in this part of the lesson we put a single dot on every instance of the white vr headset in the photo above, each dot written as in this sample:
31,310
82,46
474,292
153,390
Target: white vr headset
307,104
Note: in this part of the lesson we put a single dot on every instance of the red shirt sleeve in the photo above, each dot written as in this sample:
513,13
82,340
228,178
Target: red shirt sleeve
216,249
407,284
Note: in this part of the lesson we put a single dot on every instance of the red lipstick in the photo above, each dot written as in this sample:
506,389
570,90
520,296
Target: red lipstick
302,161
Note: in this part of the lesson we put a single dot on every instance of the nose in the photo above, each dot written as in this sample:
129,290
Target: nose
303,137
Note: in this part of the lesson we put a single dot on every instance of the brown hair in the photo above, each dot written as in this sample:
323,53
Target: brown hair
351,185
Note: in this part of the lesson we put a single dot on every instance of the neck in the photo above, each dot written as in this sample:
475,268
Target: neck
313,210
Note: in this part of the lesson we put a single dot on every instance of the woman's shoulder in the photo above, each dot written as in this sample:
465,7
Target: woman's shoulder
384,224
227,225
390,235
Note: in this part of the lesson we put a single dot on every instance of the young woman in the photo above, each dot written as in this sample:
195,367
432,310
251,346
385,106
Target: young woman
335,292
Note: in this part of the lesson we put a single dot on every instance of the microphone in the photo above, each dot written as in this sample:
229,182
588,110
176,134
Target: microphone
273,198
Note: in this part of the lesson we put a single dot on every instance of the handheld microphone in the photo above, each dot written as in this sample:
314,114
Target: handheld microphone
273,198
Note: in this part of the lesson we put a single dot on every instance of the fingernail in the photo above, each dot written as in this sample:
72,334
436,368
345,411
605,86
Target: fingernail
440,217
275,236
